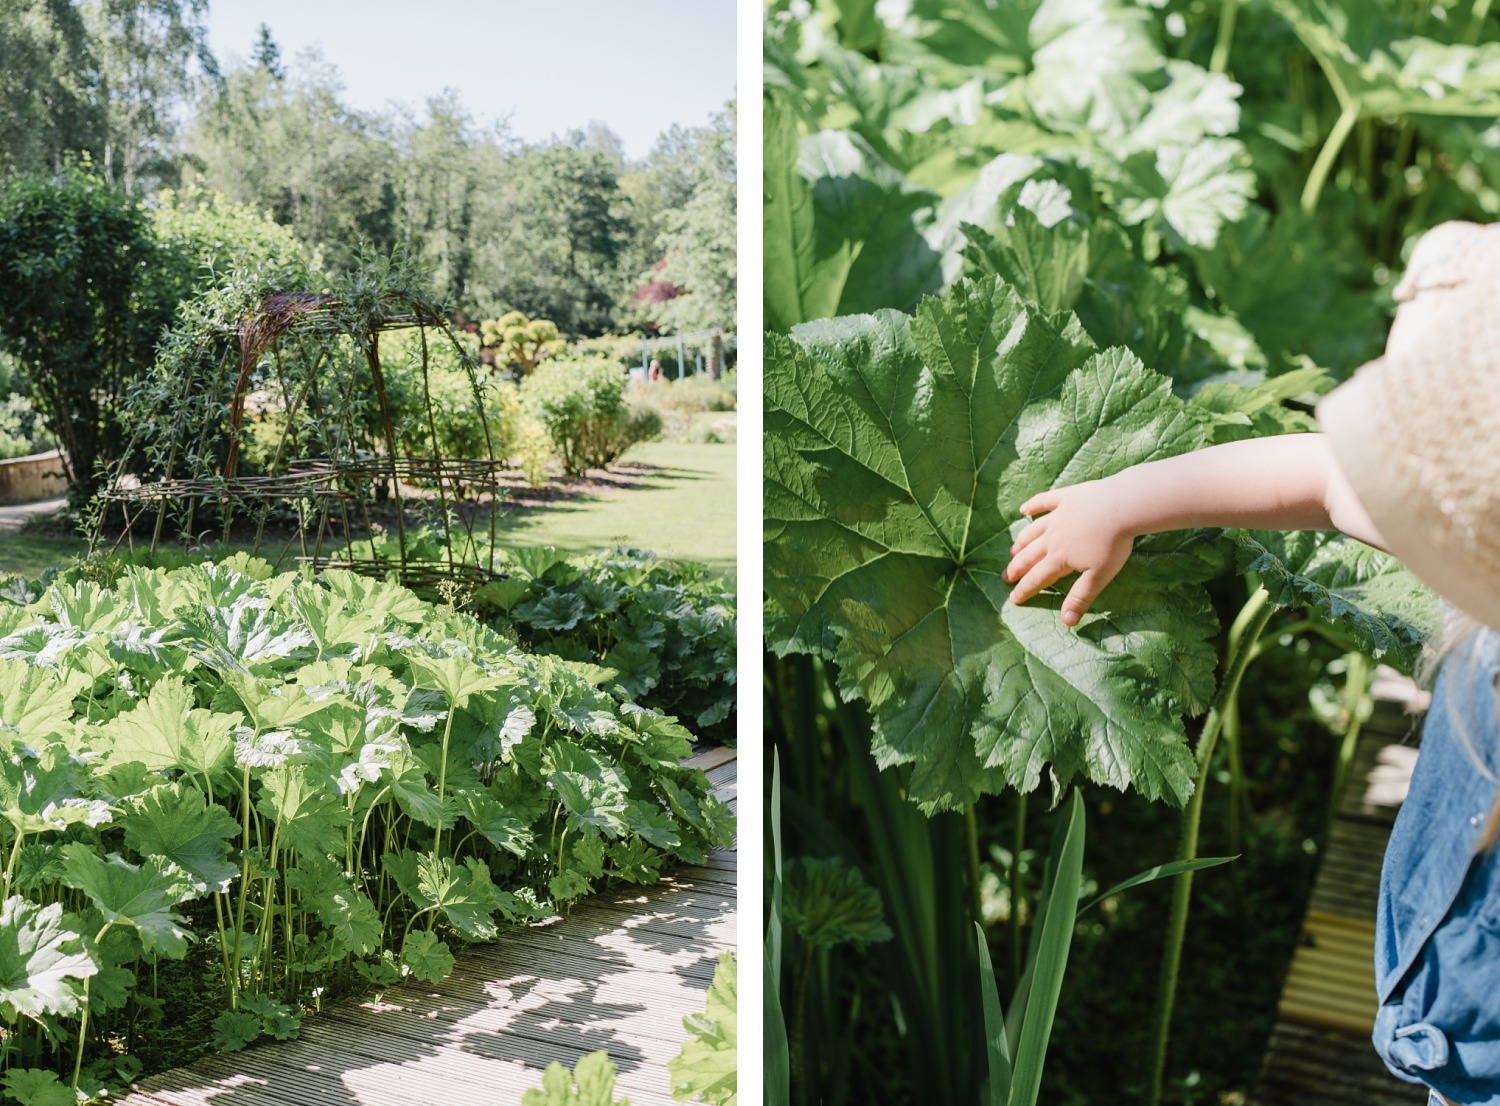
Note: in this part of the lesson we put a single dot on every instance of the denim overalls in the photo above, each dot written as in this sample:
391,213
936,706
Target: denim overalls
1437,930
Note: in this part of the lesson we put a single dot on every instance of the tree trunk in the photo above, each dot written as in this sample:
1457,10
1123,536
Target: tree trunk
715,353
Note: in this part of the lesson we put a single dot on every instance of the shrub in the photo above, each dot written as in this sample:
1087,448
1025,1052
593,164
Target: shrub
642,423
454,409
582,406
533,452
691,395
21,431
665,628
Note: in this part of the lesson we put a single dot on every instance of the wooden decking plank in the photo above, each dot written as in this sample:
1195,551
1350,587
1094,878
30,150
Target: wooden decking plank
619,973
711,759
1320,1052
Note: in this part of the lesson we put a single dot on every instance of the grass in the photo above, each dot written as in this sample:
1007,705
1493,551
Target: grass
28,554
683,508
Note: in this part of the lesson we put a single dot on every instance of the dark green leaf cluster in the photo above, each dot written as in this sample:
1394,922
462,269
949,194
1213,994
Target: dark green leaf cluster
313,780
666,629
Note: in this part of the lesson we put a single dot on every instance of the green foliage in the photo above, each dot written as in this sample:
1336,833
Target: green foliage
567,228
77,306
1365,595
445,419
1238,237
665,629
313,780
898,453
47,104
533,452
698,239
590,1083
94,280
827,902
707,1067
21,432
582,406
521,342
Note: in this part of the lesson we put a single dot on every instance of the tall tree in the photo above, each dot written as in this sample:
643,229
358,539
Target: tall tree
558,252
148,52
698,237
74,253
49,86
439,181
292,147
266,55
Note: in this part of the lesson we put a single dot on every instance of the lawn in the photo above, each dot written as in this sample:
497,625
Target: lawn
676,499
682,507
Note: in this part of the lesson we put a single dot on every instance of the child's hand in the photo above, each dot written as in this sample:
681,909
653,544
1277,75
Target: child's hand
1080,531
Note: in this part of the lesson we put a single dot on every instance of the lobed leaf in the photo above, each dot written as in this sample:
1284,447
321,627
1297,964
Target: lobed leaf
898,452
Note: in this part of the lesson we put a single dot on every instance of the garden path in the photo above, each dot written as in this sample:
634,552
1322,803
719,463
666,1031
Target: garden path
14,516
1319,1053
618,973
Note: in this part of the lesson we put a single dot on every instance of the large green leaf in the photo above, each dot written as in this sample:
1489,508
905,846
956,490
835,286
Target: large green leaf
791,294
590,1083
882,240
898,453
37,703
43,963
35,1087
310,817
1371,61
1367,594
707,1068
142,896
43,790
456,677
168,731
828,902
173,821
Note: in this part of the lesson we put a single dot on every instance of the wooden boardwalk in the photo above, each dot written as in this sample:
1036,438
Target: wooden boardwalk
618,973
1320,1052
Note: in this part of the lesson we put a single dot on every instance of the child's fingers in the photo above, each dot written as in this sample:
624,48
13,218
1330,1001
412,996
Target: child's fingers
1023,558
1044,573
1028,535
1081,596
1042,501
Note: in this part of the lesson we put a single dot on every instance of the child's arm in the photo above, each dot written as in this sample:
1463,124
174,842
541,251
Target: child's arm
1290,482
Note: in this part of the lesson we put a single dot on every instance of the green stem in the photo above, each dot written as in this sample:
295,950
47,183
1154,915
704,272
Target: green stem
364,829
1017,845
1356,688
799,1056
265,935
1219,62
1476,21
10,865
1328,155
1252,622
239,924
83,1023
437,841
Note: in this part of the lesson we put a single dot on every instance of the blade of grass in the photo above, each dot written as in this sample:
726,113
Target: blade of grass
1050,962
994,1024
1161,871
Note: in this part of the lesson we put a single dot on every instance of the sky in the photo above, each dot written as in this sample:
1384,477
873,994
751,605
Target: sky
637,66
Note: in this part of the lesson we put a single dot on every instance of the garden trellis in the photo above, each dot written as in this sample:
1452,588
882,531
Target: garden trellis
711,350
266,402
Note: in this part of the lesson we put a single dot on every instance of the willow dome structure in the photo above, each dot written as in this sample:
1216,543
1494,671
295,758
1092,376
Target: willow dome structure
277,405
